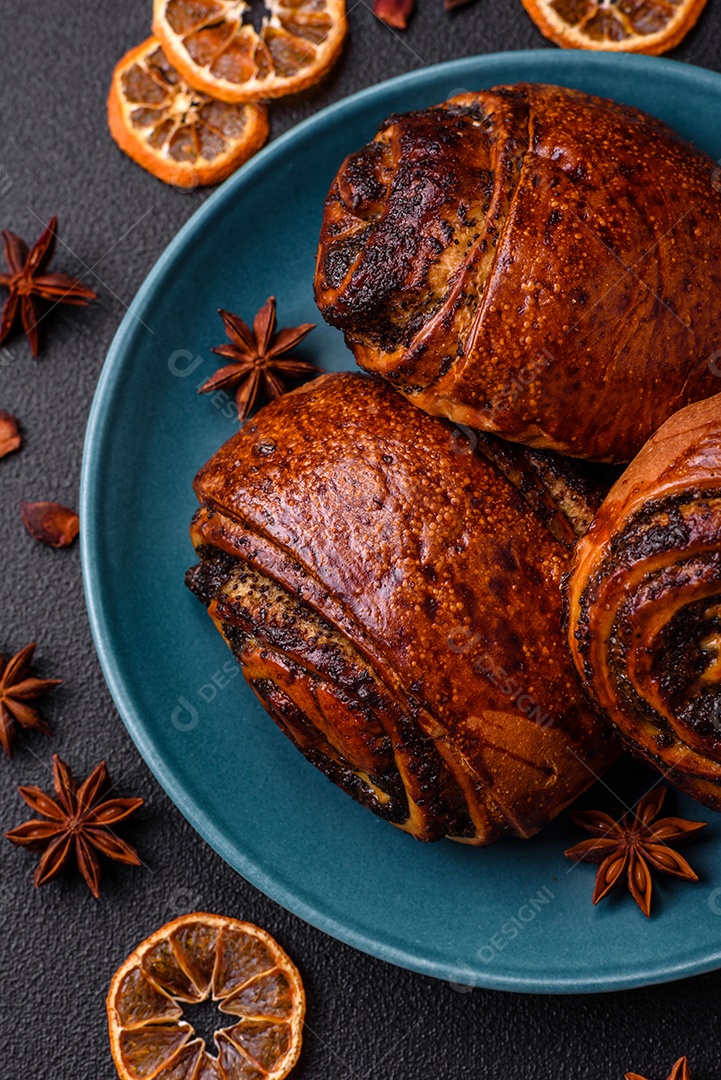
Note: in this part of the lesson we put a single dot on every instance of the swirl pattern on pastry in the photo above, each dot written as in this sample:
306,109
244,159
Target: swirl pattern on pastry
644,602
395,604
531,261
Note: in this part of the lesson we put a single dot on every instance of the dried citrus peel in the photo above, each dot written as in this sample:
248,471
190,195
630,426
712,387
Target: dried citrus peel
643,26
217,52
179,134
188,961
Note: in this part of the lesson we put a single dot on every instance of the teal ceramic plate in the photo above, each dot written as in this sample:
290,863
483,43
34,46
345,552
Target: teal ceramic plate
517,916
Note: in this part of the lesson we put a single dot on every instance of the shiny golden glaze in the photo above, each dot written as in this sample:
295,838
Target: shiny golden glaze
532,261
395,604
644,602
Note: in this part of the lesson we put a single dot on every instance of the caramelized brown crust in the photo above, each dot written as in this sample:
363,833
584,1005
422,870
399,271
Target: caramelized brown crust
532,261
395,604
644,602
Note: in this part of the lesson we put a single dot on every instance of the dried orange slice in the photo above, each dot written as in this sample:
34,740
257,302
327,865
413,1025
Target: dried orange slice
641,26
186,962
178,134
217,52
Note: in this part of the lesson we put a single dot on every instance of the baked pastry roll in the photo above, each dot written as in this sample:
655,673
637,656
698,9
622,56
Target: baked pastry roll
394,602
531,261
644,602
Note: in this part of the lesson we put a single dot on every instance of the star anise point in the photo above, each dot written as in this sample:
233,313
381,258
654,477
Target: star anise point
680,1071
17,688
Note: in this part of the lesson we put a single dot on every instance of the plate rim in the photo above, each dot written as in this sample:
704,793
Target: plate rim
387,950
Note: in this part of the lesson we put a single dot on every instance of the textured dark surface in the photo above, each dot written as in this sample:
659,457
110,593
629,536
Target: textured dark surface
60,947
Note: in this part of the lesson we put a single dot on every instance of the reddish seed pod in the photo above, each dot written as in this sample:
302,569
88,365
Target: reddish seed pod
393,13
50,523
10,438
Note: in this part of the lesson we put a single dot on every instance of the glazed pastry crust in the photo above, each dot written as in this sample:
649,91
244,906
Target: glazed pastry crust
644,602
531,261
395,603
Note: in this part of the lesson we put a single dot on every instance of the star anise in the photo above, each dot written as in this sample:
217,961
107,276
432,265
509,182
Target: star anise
256,356
635,844
680,1071
16,690
77,823
29,284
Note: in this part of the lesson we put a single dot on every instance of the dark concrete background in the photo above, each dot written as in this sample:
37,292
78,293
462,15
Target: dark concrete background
59,946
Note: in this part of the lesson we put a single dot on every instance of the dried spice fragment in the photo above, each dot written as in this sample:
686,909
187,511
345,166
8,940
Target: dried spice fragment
75,825
258,356
50,523
17,688
30,284
395,13
634,845
10,438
